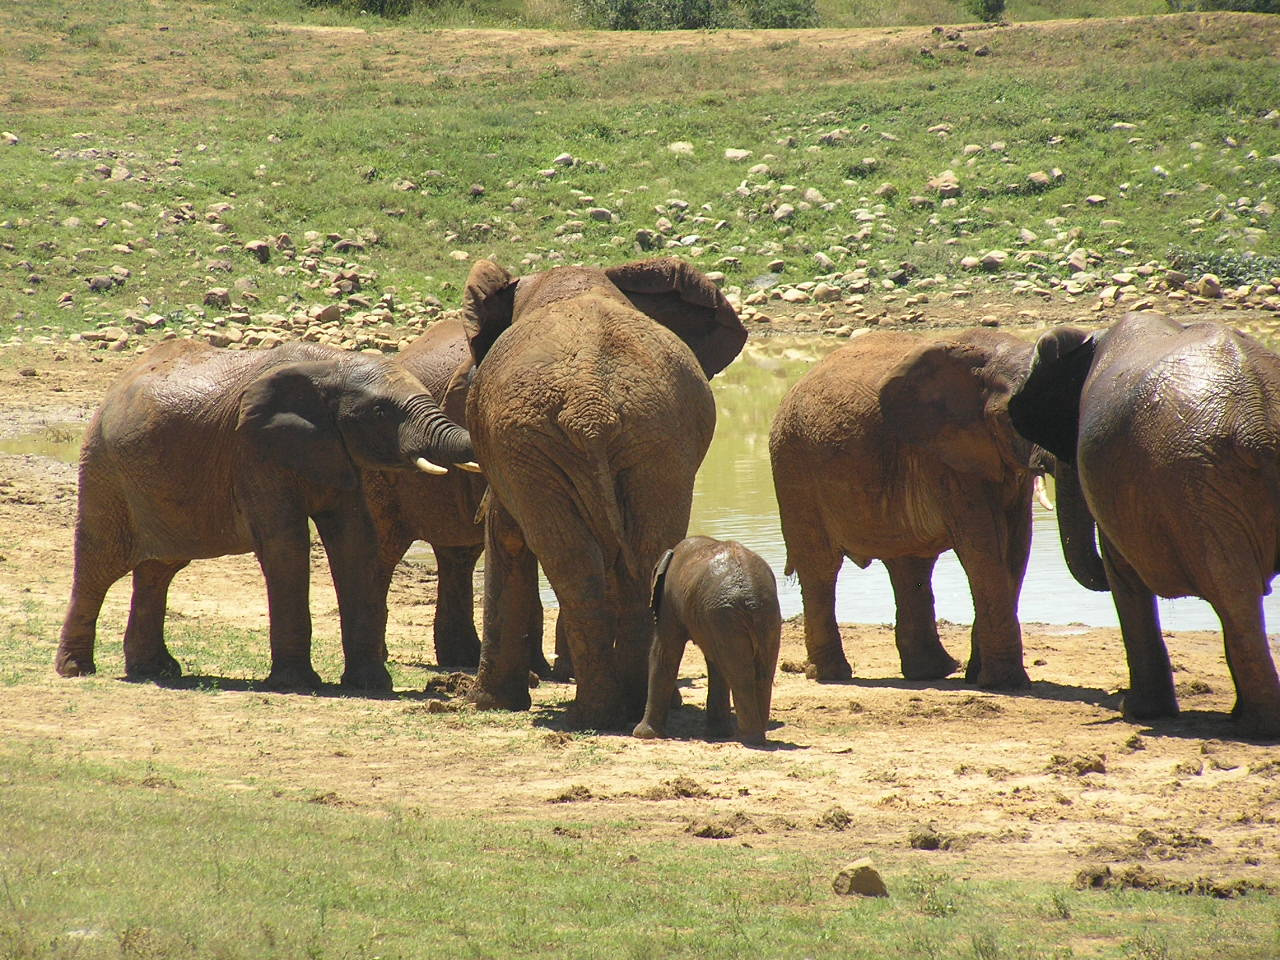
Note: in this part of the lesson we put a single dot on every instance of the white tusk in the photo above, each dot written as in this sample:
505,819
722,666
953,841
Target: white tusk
470,466
1041,494
426,466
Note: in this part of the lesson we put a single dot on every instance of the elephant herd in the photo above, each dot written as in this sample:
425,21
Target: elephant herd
587,410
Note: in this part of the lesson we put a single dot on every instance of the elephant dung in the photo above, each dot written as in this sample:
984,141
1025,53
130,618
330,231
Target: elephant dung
860,878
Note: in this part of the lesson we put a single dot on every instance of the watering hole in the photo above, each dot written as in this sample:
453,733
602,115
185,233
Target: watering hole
733,499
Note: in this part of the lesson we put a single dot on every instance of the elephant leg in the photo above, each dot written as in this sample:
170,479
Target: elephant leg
719,719
101,548
563,670
751,696
145,655
821,634
510,599
350,541
393,544
1257,706
664,667
283,554
454,629
916,628
632,638
1151,692
981,538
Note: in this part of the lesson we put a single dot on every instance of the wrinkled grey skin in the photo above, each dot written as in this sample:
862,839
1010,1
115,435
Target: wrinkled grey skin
898,447
442,510
1168,436
724,598
199,452
590,412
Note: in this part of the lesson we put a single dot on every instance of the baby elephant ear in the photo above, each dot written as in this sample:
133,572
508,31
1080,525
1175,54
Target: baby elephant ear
681,298
659,579
487,302
285,420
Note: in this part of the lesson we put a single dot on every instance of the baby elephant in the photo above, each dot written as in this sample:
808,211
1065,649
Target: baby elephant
723,597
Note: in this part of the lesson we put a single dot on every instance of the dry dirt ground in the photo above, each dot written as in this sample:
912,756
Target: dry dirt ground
1039,784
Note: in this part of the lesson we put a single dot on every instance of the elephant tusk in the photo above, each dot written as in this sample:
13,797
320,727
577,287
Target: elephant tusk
1041,493
470,466
426,466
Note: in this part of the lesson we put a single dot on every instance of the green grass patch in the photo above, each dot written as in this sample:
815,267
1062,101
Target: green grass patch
105,861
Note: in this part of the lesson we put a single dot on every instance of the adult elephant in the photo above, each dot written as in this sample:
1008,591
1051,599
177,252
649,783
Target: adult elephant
897,448
441,509
1168,435
590,412
200,452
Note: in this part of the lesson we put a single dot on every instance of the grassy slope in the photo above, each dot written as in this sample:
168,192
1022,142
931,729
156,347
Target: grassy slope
310,129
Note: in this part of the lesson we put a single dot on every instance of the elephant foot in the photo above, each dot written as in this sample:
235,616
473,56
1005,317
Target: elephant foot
1148,707
597,717
74,665
752,738
829,672
485,700
458,654
721,730
930,668
369,676
541,669
160,667
646,731
1257,723
292,679
1009,676
562,672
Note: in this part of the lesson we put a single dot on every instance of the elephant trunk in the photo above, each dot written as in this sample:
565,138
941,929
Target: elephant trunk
429,433
1076,529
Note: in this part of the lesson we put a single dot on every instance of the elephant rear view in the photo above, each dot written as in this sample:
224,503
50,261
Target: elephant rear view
1169,434
198,452
724,598
591,413
897,448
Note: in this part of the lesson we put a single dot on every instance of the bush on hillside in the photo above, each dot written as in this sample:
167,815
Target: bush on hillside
1240,6
380,8
781,14
988,11
653,14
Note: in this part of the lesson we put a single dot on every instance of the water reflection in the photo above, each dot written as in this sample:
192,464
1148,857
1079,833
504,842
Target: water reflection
734,499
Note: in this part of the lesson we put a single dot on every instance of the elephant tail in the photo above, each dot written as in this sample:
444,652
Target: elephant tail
606,495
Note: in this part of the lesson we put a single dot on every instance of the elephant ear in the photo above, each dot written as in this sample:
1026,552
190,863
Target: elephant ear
659,581
1045,408
286,419
487,304
939,397
454,399
682,299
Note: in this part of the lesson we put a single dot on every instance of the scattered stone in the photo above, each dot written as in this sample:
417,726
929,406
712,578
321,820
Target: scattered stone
993,259
860,878
100,284
564,160
217,297
928,838
1095,199
784,211
682,147
601,214
886,191
945,184
259,249
1209,287
10,139
736,155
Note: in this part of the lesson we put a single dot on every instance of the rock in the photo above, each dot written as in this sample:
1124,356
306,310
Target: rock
736,155
217,297
600,214
826,293
259,249
1209,287
784,211
476,190
459,255
105,334
792,295
860,878
681,147
970,149
329,313
823,261
1039,180
814,196
994,259
10,139
886,191
646,239
970,263
1095,199
101,284
945,184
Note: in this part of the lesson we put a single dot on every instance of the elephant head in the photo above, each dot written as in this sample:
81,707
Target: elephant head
1045,409
325,418
668,290
953,396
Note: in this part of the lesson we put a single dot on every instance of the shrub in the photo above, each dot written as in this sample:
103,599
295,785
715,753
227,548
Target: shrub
380,8
653,14
781,14
988,11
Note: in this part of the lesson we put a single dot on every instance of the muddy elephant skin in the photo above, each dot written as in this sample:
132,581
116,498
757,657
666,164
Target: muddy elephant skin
1170,433
724,598
199,452
591,412
897,448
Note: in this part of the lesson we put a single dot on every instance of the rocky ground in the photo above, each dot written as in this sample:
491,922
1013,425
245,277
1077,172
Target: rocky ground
1048,783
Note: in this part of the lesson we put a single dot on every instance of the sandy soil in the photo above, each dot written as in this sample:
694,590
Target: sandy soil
1041,784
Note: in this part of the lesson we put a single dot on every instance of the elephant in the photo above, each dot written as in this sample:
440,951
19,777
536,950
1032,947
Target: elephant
724,598
441,509
1167,437
201,452
897,447
590,412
